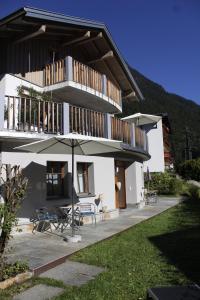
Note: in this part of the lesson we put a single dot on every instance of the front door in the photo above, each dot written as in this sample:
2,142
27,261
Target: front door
120,186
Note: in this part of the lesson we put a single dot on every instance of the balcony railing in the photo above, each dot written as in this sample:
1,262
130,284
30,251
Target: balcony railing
87,122
141,138
121,130
113,92
87,76
54,73
37,116
31,115
57,72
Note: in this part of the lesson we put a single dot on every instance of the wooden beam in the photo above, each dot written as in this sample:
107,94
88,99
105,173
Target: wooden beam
94,38
41,30
131,94
107,55
77,40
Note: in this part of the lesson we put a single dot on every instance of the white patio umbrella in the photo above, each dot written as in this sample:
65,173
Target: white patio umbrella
73,144
142,119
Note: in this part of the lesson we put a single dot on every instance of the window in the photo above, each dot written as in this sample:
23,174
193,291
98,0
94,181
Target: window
85,178
55,179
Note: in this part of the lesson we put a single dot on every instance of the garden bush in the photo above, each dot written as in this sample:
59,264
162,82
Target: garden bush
11,270
190,169
194,192
166,184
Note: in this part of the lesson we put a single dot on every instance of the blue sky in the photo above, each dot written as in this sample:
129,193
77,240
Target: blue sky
159,38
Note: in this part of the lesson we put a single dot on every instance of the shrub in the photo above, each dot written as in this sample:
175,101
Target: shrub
190,169
194,192
11,270
166,184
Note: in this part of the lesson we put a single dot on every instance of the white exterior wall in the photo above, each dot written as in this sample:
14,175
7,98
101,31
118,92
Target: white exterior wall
9,84
135,184
156,149
34,166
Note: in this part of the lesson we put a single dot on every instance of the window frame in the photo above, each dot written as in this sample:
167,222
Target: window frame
62,173
88,179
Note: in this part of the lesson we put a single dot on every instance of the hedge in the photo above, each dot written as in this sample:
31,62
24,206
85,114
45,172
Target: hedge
190,169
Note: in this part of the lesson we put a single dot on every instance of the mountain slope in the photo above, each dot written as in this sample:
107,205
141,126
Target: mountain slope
182,113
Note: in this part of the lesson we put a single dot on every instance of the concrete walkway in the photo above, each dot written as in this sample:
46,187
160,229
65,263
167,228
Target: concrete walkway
69,273
39,292
41,250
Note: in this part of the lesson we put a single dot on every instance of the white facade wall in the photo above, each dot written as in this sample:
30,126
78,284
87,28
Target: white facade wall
135,184
156,149
34,166
11,83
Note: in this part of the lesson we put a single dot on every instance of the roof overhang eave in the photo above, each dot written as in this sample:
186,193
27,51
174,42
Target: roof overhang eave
56,17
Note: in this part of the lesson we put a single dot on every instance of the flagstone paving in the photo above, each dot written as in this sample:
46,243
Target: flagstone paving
73,273
39,292
41,248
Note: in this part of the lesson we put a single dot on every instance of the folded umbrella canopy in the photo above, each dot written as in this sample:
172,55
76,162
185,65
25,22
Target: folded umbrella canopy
73,144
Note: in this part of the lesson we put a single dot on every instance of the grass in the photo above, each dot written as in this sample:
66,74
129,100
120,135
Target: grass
164,250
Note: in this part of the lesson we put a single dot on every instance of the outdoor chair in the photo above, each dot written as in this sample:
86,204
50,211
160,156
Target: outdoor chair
44,220
151,197
86,210
64,217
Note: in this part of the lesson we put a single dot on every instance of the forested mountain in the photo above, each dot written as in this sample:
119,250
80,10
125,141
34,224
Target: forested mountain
183,113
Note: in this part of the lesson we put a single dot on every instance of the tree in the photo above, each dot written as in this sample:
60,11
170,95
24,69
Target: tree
13,190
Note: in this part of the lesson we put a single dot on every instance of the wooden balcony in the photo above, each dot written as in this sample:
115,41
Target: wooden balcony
121,130
129,134
75,82
31,115
47,117
87,122
141,138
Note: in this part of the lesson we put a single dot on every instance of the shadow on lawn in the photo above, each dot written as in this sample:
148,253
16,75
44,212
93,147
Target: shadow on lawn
182,247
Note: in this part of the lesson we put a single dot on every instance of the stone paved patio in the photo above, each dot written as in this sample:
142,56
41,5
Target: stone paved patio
39,292
42,248
73,273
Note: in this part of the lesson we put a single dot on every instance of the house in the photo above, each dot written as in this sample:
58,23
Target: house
153,127
167,132
158,131
62,74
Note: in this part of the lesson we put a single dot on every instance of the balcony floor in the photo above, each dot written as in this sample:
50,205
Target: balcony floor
80,95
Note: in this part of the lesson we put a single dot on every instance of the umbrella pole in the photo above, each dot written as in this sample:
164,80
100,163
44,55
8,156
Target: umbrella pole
72,187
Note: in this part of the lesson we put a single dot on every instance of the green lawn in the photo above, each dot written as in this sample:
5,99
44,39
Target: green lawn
164,250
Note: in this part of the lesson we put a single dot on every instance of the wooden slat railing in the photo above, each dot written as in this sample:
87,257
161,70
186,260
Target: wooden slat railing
140,138
83,74
87,76
32,115
120,130
54,73
87,122
113,92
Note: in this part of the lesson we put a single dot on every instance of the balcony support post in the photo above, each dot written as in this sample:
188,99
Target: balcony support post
132,134
107,126
66,125
68,68
145,141
104,85
2,104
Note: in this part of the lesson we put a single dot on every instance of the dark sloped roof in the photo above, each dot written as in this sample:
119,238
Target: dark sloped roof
41,15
